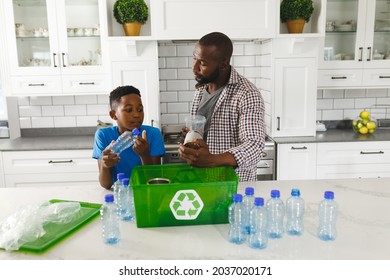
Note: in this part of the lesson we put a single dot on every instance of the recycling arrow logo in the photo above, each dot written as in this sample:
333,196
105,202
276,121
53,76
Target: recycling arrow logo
186,205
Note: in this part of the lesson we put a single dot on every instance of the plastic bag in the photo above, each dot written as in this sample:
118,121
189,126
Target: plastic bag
26,224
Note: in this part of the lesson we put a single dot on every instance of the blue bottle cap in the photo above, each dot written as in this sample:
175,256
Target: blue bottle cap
237,197
328,195
125,182
136,132
295,192
275,193
109,197
249,191
259,201
120,176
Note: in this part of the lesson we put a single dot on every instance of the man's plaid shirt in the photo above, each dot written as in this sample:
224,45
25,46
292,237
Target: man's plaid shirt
237,124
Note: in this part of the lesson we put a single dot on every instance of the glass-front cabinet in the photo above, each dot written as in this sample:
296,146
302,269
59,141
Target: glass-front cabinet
53,40
357,39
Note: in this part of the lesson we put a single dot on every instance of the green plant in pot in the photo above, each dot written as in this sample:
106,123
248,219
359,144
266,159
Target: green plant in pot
132,14
295,13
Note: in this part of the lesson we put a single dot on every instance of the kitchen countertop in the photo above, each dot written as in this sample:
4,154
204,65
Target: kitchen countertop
363,227
337,135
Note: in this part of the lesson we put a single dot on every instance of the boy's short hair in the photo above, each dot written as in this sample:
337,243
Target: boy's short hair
116,94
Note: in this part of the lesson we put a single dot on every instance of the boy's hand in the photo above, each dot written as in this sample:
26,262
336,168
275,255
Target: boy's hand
141,145
109,159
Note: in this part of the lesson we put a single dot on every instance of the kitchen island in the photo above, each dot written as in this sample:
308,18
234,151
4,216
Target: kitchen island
363,227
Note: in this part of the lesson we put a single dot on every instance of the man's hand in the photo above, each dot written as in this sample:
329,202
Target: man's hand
200,157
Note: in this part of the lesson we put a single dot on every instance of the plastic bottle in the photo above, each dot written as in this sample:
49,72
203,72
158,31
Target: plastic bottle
117,184
275,213
125,201
295,209
110,220
247,202
328,215
236,230
124,141
258,238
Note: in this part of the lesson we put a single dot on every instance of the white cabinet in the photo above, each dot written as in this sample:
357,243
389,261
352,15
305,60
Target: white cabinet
191,19
353,160
50,168
296,161
136,63
57,47
355,51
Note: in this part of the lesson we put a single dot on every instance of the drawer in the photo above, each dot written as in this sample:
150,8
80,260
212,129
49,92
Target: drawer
353,153
36,84
86,83
339,78
353,171
265,166
43,162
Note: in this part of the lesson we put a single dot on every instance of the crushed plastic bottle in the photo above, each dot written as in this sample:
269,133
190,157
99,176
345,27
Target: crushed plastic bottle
124,141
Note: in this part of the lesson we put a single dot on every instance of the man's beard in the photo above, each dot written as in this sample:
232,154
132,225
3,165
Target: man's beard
205,80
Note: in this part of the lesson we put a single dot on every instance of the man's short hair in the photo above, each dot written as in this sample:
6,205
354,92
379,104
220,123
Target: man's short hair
221,41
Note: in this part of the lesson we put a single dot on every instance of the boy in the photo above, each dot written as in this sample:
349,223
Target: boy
127,110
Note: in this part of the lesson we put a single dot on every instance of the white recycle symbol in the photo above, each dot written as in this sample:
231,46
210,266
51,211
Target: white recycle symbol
186,205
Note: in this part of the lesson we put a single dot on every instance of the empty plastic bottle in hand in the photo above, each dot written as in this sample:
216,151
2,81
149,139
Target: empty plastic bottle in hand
295,209
247,202
110,220
124,141
126,208
275,212
236,230
258,238
328,216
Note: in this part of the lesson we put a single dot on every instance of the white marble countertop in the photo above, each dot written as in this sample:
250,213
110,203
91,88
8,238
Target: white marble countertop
363,227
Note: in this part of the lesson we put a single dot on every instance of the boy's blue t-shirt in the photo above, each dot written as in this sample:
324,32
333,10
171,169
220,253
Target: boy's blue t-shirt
128,158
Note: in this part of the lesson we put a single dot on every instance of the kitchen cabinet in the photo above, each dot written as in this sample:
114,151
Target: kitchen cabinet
49,168
136,63
57,47
355,51
296,161
191,19
353,160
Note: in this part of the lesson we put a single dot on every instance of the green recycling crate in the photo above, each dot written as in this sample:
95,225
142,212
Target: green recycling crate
179,194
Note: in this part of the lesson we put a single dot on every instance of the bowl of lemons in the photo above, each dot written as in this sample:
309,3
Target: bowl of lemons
365,123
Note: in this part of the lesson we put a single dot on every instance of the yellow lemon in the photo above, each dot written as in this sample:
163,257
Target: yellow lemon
371,125
364,114
371,131
363,130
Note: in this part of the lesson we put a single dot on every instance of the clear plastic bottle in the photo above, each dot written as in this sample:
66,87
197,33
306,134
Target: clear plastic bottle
258,238
110,220
247,202
295,209
125,201
275,213
124,141
328,216
116,185
236,230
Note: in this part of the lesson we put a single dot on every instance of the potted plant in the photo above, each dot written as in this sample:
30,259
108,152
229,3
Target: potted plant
296,13
131,14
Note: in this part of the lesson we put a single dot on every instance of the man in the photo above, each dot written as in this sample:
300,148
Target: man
233,107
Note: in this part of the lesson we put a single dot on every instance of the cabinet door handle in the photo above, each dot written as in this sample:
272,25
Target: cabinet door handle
54,60
36,85
278,127
264,165
361,54
85,84
299,148
60,161
384,77
339,78
63,60
371,153
369,54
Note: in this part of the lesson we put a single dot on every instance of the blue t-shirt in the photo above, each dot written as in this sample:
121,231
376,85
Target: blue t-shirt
128,158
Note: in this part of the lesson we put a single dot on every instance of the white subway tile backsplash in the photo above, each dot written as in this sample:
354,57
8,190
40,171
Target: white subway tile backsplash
252,72
42,122
63,100
186,96
82,121
252,49
180,107
30,111
185,50
167,50
86,99
346,103
177,62
238,49
168,74
355,93
364,102
40,100
244,61
168,96
97,109
324,104
75,110
53,110
104,99
351,114
376,92
65,122
177,85
25,122
185,74
336,93
169,119
332,115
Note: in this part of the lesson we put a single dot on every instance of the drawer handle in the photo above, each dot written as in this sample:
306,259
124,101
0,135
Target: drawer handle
61,161
299,148
384,77
265,165
36,85
339,78
371,153
83,84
